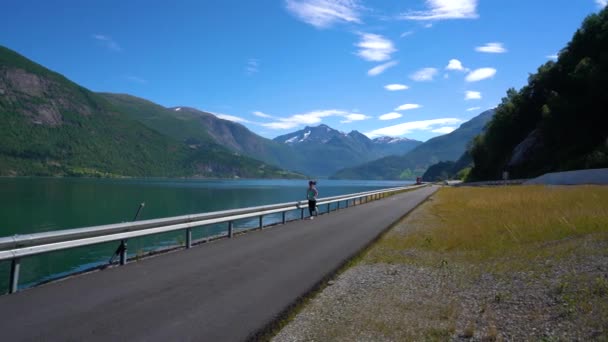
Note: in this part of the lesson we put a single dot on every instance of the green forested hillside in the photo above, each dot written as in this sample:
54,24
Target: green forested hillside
52,126
200,129
559,120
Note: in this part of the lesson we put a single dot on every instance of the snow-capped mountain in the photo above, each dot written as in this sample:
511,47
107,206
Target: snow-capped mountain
337,148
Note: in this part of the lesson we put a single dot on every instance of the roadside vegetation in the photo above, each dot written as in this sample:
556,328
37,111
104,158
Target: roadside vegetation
505,263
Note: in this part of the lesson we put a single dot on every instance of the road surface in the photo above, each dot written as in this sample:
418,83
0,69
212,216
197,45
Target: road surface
225,290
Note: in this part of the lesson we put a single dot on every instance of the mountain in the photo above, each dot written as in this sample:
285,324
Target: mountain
459,169
558,121
198,129
51,126
447,147
329,150
395,146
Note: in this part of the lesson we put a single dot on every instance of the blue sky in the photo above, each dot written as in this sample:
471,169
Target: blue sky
413,68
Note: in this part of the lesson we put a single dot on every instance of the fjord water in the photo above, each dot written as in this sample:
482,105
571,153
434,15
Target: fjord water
31,205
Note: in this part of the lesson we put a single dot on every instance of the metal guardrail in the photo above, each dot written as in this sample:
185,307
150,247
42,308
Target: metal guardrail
15,247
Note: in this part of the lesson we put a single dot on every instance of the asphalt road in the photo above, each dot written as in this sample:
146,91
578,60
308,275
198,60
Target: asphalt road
221,291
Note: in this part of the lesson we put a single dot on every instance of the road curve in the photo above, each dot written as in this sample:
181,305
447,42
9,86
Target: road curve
222,291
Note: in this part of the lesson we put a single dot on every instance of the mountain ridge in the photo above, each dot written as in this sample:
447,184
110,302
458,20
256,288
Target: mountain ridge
442,148
54,127
339,149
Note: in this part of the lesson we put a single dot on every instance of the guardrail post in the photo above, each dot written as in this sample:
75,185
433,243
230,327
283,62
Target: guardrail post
284,217
230,229
14,280
328,208
188,237
123,252
302,214
261,221
338,208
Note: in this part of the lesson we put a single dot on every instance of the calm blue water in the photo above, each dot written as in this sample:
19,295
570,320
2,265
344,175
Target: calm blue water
29,205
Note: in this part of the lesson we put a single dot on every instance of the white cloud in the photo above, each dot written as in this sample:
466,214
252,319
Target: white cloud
136,79
390,116
375,48
445,9
554,57
455,64
444,130
480,74
281,125
312,118
325,13
472,95
601,3
231,118
395,87
261,114
381,68
473,109
425,74
107,42
406,33
354,117
491,48
408,106
409,127
253,66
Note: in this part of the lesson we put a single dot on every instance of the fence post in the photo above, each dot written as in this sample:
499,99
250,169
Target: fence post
338,208
302,214
284,217
328,208
230,229
123,252
188,237
261,221
14,280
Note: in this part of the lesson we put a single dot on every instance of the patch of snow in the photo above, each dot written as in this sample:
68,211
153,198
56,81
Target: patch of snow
305,136
178,109
291,140
389,140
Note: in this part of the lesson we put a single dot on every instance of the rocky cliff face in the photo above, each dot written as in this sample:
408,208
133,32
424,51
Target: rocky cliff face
527,149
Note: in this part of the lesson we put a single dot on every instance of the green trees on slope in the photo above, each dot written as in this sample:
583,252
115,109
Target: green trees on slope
559,120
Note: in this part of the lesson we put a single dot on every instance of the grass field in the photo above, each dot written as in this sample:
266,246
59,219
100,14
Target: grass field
479,224
501,263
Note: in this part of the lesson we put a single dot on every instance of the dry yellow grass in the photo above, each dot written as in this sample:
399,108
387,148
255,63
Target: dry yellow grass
482,223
